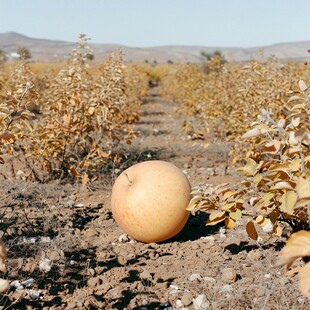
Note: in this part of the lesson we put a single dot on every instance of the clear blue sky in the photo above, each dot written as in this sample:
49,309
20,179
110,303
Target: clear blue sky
142,23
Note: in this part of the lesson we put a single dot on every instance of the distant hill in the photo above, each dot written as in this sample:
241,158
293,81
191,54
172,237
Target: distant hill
57,51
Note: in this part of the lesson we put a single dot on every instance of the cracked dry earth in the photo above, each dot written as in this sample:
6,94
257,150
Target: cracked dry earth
65,251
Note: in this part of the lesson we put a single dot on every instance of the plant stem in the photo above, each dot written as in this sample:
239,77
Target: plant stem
130,181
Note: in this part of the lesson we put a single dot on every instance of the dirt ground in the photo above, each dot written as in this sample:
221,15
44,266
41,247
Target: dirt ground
65,251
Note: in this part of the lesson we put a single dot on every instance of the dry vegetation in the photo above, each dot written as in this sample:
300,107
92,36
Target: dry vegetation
69,121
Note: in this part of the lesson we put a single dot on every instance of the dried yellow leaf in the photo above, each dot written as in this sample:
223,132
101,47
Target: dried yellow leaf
303,188
250,168
236,215
267,197
216,217
288,201
298,245
230,223
227,206
277,230
228,194
193,203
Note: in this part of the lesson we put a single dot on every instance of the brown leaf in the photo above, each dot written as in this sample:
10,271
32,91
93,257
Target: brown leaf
85,179
251,230
6,136
74,172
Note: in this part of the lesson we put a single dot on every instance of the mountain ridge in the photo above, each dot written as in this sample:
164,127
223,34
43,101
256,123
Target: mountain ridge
58,50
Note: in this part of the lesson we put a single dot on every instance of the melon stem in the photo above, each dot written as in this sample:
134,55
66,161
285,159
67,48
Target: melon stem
130,182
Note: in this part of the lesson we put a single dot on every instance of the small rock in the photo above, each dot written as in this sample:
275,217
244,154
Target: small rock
103,288
194,277
140,287
179,304
17,285
20,173
209,279
71,305
45,265
123,238
79,205
92,282
227,289
162,285
122,260
229,275
174,289
216,248
254,255
153,255
144,302
27,282
90,232
187,299
166,306
259,291
201,302
268,228
222,232
208,238
145,275
34,294
195,246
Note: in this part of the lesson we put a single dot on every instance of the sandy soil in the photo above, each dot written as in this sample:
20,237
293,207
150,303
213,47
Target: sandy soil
66,251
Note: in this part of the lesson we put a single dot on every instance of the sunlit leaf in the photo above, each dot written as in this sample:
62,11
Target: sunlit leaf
302,85
298,245
277,230
228,194
282,185
230,223
193,203
257,179
227,206
295,165
295,121
303,188
288,201
250,168
236,215
268,196
85,179
255,132
216,217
